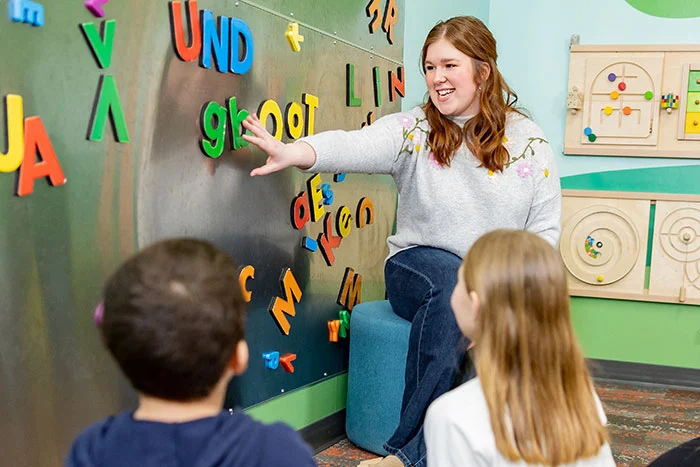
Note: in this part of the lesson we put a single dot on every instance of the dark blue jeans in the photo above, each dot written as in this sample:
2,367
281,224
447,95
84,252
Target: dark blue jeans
419,283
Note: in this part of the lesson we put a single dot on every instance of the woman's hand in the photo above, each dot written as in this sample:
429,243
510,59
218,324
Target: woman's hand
279,155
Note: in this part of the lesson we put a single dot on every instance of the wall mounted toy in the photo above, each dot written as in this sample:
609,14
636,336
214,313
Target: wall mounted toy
272,360
388,21
620,110
95,7
230,39
333,327
351,100
26,11
327,241
675,257
14,121
101,43
37,146
107,105
350,293
344,318
606,238
286,361
293,37
281,306
248,272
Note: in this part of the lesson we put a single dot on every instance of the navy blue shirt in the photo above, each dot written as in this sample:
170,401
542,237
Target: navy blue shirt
224,440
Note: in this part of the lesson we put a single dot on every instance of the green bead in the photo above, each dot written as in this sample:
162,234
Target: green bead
592,137
648,95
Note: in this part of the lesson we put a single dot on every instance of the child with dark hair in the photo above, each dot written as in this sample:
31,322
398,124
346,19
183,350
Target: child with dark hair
174,321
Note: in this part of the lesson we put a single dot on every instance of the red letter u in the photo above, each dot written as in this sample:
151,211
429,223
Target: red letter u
186,53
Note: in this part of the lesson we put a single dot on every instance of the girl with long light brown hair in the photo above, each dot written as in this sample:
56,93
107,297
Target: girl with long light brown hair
465,163
533,402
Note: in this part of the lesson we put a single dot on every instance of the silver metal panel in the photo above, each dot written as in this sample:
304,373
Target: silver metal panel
59,244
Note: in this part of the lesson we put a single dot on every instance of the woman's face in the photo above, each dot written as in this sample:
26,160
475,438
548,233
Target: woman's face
465,306
449,75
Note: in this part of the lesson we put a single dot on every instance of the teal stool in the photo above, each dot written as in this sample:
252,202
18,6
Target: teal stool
378,346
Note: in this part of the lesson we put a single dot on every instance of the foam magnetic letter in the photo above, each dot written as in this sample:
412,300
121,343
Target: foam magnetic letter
108,104
236,117
14,119
300,212
372,9
365,212
350,290
328,241
279,307
350,99
286,361
37,143
397,84
186,52
391,16
216,39
240,29
101,43
315,197
294,117
270,108
247,272
311,102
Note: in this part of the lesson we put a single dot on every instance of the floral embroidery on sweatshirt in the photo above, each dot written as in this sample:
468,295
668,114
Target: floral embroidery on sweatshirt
528,151
413,135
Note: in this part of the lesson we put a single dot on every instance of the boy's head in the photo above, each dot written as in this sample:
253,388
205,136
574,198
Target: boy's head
173,315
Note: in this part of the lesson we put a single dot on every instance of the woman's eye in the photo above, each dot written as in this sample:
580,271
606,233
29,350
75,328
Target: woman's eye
429,67
451,65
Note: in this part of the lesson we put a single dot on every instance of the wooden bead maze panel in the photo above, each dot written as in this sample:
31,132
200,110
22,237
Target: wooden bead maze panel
633,101
675,259
605,242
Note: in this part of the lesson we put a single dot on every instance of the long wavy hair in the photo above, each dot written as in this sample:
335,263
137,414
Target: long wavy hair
531,367
483,133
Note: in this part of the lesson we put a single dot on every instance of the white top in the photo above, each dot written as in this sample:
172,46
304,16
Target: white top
458,432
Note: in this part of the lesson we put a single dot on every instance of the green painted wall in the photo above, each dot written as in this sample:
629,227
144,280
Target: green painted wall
304,406
668,8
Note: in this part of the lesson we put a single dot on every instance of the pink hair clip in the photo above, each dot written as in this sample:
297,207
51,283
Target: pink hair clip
99,313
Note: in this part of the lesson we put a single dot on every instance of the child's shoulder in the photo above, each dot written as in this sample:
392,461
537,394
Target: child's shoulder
466,398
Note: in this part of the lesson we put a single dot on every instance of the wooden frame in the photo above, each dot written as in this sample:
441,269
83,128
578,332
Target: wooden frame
667,137
604,291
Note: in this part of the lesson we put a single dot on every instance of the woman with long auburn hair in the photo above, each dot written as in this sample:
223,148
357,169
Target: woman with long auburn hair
465,163
533,402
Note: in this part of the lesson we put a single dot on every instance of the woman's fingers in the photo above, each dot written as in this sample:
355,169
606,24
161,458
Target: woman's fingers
266,169
261,138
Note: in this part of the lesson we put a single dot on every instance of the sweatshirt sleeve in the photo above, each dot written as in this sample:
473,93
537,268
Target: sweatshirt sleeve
544,217
375,149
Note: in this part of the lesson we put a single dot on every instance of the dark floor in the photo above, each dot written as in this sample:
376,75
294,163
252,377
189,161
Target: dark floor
644,421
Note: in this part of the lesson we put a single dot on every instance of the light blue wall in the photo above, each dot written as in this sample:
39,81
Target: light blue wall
533,43
421,16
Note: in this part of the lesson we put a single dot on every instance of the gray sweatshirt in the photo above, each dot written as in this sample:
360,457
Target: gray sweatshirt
450,207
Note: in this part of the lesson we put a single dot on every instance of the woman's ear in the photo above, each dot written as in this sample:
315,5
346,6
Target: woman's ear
484,72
